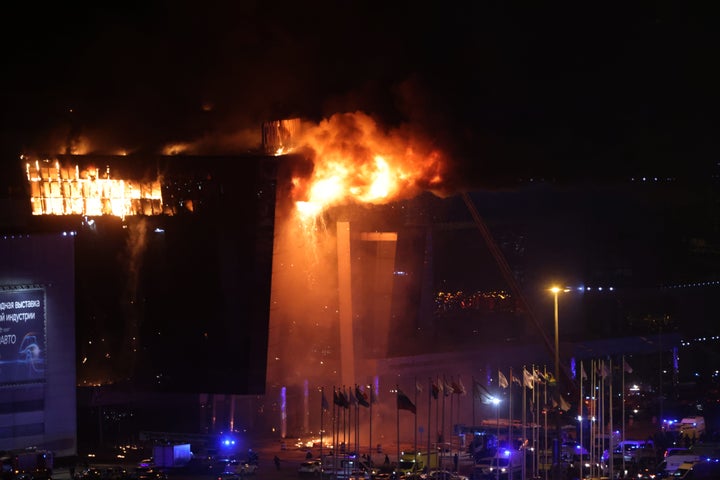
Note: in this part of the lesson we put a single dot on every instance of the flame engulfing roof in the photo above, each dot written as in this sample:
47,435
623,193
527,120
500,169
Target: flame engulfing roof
355,160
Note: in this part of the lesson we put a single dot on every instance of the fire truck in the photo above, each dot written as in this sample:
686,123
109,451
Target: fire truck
35,464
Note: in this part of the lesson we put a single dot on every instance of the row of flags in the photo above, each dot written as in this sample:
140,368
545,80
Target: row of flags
603,370
444,387
345,398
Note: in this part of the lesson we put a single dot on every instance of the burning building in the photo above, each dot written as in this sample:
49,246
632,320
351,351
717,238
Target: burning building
175,255
170,263
331,259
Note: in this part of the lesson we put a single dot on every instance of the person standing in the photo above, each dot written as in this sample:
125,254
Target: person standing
277,462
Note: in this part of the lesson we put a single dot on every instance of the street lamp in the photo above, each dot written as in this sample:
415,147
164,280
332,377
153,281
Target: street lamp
556,291
556,450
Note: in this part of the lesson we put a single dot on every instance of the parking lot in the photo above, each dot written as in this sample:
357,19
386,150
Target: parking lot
290,458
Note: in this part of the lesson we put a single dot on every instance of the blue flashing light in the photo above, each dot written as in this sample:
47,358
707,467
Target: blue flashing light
228,442
506,453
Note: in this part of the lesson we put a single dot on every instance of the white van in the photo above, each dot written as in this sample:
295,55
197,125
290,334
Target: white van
672,463
692,427
345,467
631,449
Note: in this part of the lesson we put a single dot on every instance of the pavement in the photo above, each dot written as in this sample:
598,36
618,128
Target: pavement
290,460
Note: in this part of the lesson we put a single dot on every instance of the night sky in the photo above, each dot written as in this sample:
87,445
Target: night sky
506,88
566,93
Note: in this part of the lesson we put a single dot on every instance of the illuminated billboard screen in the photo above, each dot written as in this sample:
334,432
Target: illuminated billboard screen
22,336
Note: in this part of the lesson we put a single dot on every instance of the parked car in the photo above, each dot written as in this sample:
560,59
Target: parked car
676,451
240,469
502,465
149,474
227,476
570,449
445,475
310,467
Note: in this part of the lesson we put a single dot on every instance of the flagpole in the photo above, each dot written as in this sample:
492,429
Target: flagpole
580,415
510,386
442,421
623,398
416,402
348,422
322,416
357,422
397,415
371,419
545,410
437,421
596,413
536,422
473,401
344,421
497,448
335,433
524,423
427,462
611,404
452,393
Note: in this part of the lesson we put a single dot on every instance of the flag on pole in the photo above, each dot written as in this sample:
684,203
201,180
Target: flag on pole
362,397
404,402
564,405
626,366
502,380
325,406
515,379
583,375
447,388
460,387
351,397
456,388
482,393
418,386
340,399
528,379
436,389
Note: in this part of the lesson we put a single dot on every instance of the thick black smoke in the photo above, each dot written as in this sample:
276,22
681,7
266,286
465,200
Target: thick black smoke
512,91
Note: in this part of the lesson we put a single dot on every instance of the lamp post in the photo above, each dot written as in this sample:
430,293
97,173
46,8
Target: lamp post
556,291
556,448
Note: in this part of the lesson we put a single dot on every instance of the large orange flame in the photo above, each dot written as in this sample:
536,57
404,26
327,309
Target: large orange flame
67,190
356,162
